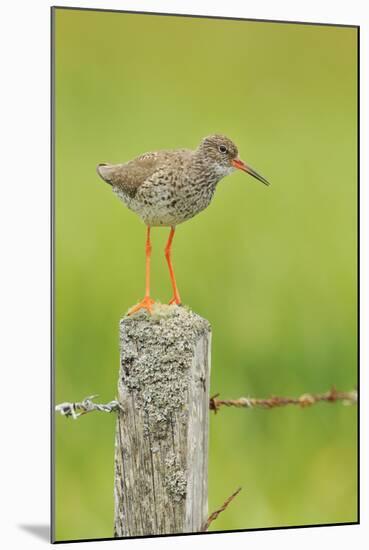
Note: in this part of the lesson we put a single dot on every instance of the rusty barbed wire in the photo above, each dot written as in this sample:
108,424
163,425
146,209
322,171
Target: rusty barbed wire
75,410
305,400
215,514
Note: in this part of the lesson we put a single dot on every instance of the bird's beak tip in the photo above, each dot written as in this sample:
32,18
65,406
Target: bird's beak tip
238,163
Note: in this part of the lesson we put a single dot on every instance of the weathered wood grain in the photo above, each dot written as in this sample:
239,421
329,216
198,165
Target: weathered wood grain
161,448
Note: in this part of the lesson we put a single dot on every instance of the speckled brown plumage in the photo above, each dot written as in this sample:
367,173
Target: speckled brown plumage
168,187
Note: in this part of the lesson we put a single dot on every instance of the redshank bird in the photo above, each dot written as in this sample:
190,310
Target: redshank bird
168,187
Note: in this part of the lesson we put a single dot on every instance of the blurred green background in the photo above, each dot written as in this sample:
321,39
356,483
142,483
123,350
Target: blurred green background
273,269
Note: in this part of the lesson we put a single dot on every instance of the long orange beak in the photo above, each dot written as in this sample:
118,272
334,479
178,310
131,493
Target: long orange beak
238,163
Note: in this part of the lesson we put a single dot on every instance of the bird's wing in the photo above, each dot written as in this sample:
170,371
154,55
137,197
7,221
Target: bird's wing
130,176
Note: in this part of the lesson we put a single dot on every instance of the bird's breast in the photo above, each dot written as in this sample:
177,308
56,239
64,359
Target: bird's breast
168,201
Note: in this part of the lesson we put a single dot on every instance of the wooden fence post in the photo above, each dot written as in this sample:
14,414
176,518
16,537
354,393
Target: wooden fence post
161,446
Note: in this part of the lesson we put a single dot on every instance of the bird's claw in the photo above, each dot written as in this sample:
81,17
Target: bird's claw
175,300
146,303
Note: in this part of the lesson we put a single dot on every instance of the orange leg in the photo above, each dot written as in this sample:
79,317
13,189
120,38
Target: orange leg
176,297
147,301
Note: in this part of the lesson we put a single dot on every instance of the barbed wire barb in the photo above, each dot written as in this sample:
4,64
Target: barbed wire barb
215,514
75,410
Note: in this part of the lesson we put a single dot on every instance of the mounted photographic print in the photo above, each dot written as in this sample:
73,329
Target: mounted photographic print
205,277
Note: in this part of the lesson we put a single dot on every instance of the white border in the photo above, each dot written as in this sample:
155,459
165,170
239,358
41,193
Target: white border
24,285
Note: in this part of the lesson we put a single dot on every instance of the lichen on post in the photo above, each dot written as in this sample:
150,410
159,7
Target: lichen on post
161,447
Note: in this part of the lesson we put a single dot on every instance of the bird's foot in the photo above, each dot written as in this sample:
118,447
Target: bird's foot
175,300
146,303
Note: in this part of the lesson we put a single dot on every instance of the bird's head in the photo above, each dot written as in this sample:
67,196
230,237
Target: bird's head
222,154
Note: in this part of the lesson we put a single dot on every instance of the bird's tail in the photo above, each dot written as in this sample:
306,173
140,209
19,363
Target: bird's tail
105,172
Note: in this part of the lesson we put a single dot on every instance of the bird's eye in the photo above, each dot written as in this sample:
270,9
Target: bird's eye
222,148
